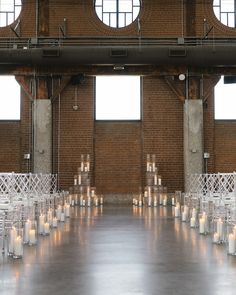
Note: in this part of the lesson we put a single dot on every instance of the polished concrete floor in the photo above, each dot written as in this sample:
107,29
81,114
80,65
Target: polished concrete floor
121,251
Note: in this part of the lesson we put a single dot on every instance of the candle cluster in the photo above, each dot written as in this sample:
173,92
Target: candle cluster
209,220
27,232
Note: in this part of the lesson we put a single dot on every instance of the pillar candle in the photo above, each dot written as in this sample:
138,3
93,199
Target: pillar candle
75,180
194,213
82,166
159,180
216,237
219,226
67,210
148,163
18,247
160,199
173,201
54,222
12,238
155,179
89,202
49,217
26,231
155,202
84,203
88,166
177,210
92,193
149,191
79,179
96,202
62,219
81,201
101,201
164,201
202,225
153,166
192,222
231,246
88,191
149,201
41,223
58,212
32,237
184,216
140,203
46,229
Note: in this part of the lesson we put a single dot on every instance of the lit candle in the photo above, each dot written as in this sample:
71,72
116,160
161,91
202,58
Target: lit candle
202,225
155,202
153,166
79,179
54,222
62,219
82,166
155,179
84,202
149,201
148,163
41,223
12,238
92,193
26,231
160,199
219,227
192,222
81,201
96,202
88,166
101,201
216,237
89,202
67,210
231,246
159,180
88,191
32,237
58,212
18,247
164,201
46,229
49,217
177,210
173,201
75,180
194,213
149,191
184,216
140,203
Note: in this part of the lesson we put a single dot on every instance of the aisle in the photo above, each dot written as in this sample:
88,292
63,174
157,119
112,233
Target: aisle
121,251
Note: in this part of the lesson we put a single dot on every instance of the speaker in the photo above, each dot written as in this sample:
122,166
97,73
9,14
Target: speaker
77,79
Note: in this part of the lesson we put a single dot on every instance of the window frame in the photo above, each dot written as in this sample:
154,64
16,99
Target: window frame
223,13
7,13
117,13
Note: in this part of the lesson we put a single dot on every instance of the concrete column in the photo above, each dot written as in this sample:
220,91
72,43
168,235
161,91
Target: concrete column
193,138
42,120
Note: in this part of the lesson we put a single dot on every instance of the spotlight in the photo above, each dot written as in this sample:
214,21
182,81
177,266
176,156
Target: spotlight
182,77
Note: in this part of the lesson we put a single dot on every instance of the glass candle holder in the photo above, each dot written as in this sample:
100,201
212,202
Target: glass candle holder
11,238
219,229
18,244
203,224
33,233
193,218
177,210
27,227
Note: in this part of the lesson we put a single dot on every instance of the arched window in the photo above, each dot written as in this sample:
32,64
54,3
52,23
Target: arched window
9,11
117,13
225,11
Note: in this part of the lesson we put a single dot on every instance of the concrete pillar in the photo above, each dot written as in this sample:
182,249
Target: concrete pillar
42,126
193,138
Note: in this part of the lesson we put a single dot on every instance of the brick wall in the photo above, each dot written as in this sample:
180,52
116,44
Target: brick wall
118,150
225,146
10,146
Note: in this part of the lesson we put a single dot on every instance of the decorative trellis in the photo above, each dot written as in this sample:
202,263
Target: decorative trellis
25,184
205,184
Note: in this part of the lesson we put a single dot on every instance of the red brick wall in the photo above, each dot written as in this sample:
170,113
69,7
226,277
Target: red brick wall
163,130
118,157
225,146
10,146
